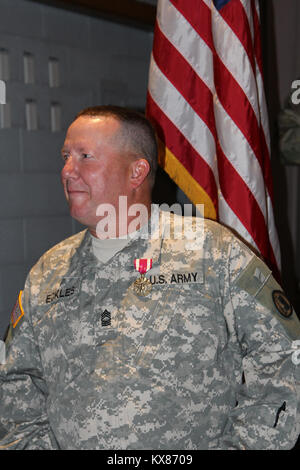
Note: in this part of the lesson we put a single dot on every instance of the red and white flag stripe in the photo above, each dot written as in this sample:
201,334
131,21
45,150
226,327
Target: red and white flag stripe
206,96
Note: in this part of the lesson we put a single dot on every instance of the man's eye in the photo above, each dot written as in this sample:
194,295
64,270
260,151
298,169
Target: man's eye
65,157
86,155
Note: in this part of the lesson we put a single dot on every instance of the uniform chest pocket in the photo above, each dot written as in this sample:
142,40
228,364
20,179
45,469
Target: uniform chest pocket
142,323
175,326
201,326
63,316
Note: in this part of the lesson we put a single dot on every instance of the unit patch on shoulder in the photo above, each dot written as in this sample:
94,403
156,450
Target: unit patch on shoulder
18,311
257,280
282,303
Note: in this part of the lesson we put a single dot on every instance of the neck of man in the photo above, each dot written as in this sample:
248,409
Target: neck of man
127,216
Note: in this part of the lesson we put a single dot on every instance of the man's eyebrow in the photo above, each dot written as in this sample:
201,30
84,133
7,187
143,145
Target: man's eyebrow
80,148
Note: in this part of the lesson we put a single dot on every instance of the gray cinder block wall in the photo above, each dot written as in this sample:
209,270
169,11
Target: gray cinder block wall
54,63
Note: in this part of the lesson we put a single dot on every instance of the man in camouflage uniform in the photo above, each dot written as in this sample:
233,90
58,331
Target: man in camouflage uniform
205,357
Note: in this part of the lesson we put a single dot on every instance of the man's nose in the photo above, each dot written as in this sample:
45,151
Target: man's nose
70,168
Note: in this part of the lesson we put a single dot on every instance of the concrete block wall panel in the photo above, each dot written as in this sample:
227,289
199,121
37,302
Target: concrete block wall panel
21,18
41,233
10,161
31,195
12,45
11,242
70,29
93,61
41,151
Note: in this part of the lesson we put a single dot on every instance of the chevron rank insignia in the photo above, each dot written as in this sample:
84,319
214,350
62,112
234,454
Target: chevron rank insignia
105,318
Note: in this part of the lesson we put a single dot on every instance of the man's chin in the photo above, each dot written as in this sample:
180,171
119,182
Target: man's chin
81,216
77,213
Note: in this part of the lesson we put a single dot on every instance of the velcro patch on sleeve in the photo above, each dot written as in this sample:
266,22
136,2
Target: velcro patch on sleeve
258,281
18,311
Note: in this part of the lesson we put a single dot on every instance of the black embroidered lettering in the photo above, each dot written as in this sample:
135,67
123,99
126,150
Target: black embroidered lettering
56,294
59,293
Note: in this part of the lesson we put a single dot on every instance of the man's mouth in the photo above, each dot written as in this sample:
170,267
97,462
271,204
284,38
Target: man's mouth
74,193
74,189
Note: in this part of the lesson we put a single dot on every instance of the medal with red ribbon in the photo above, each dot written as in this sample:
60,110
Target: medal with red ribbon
142,286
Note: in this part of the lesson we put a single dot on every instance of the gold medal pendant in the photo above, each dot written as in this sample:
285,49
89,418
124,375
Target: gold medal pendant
142,286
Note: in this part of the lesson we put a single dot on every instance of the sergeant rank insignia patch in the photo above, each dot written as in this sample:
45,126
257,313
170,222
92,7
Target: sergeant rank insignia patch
105,318
18,311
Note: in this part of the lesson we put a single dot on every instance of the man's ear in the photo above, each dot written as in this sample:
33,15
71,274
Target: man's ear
140,169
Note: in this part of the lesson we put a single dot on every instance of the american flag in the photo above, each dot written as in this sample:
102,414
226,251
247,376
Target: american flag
206,99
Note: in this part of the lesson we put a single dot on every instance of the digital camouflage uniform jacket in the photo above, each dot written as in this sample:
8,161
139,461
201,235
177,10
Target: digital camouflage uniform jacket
207,360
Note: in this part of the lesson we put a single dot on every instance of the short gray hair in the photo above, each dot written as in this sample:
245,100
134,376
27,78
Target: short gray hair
137,131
